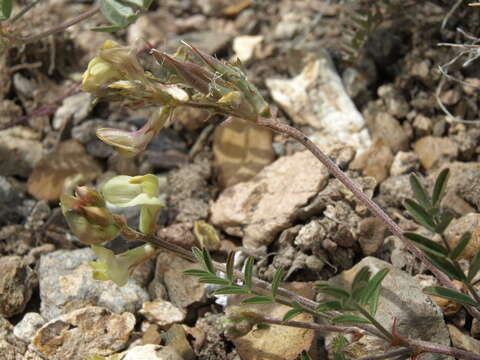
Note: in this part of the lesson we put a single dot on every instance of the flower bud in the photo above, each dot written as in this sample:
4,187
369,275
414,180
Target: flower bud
143,191
87,216
130,143
118,267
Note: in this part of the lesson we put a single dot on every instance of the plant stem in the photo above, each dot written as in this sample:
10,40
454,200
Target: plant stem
369,203
374,321
424,346
23,11
59,28
312,326
474,292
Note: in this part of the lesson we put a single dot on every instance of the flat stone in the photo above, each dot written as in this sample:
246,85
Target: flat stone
375,161
433,151
151,352
246,45
401,299
20,151
456,229
162,312
462,341
182,290
66,283
75,108
317,97
270,202
28,326
17,282
84,332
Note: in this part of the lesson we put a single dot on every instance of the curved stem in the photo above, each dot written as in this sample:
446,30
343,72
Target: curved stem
424,346
311,326
369,203
59,28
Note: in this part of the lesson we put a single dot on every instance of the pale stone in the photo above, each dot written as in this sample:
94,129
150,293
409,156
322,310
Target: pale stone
162,312
151,352
28,326
84,332
434,151
317,97
246,45
270,202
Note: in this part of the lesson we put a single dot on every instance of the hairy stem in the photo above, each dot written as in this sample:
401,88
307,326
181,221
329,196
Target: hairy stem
424,346
312,326
369,203
59,28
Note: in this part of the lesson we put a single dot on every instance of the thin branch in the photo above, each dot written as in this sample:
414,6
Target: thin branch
424,346
59,28
312,326
369,203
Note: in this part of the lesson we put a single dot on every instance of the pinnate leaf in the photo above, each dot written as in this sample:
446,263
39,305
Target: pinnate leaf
440,186
450,294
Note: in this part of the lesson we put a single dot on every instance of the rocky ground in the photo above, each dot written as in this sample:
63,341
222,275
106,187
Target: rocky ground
380,118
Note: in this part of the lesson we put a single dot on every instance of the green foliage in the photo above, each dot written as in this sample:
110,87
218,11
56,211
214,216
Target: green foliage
427,212
449,294
338,344
121,13
5,9
363,297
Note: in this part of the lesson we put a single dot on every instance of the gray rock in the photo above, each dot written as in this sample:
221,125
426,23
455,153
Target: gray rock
463,188
189,192
463,341
84,332
162,312
28,326
422,125
317,97
394,100
151,352
394,190
66,283
75,108
269,203
182,290
401,299
434,152
20,151
17,282
404,163
389,130
11,201
371,234
209,41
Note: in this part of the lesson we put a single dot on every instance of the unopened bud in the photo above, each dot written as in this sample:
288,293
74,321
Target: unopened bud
87,216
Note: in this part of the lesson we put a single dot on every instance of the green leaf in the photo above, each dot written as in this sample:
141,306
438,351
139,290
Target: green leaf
350,319
198,255
232,289
196,272
329,306
208,261
333,290
290,314
419,214
440,186
5,9
420,192
360,282
117,13
373,286
107,28
248,272
230,266
373,303
214,280
259,300
305,356
462,243
446,266
449,294
444,220
474,267
277,278
427,244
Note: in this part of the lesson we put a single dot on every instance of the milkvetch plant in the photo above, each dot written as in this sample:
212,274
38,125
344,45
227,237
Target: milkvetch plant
195,79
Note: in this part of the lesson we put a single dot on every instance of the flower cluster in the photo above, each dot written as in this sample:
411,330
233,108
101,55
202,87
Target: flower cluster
187,78
92,222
